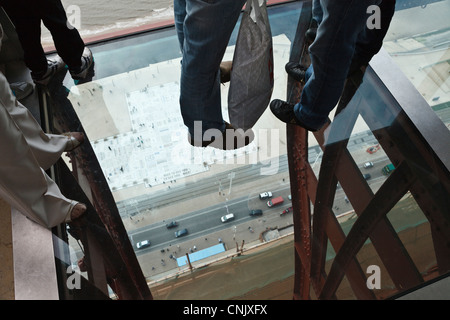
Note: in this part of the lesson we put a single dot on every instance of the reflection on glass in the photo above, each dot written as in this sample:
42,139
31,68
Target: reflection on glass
176,201
130,112
418,41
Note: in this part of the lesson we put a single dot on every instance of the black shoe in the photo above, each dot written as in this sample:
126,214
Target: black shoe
231,139
86,63
311,33
296,71
53,66
284,111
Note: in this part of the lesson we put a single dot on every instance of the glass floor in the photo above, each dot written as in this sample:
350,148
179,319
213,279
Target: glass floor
130,112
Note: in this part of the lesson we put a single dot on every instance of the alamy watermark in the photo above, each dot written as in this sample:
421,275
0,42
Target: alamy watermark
73,13
374,21
265,143
374,280
73,279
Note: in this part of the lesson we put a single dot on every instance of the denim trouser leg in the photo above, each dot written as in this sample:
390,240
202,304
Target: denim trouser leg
204,28
331,55
317,12
370,41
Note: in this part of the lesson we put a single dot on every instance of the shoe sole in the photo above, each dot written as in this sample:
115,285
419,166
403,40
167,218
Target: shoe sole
82,75
292,120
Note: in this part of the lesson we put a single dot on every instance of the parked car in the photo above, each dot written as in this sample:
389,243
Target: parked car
181,233
265,195
256,212
368,164
367,176
143,244
227,217
171,224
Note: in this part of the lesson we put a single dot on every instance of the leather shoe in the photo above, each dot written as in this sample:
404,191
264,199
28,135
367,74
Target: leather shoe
296,71
311,33
284,111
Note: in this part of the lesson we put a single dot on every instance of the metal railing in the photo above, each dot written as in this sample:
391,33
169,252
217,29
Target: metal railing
409,132
109,259
401,120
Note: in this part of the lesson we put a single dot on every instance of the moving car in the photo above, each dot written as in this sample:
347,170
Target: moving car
171,224
368,164
256,212
143,244
227,217
265,195
181,233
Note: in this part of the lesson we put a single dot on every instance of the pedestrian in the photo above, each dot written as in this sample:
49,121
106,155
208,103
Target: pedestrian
204,29
26,153
343,44
27,16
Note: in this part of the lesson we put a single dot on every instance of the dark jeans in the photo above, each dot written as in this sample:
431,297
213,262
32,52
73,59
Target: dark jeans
343,43
204,28
27,15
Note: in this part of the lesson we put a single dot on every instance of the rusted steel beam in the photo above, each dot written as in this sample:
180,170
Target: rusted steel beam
339,133
66,119
384,200
297,151
107,210
355,274
401,141
102,259
385,240
301,209
302,279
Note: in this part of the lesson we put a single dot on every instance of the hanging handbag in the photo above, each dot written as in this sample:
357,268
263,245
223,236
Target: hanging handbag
251,79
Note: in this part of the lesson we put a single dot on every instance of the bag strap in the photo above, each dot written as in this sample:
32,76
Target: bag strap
253,4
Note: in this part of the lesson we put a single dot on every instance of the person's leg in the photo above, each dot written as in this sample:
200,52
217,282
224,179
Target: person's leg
207,28
317,12
331,55
47,148
66,38
23,183
28,27
370,41
179,9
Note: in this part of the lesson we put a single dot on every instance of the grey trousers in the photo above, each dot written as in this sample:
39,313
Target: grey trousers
25,152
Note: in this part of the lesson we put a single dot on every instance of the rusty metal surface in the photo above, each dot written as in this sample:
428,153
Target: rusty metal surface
297,146
121,267
389,194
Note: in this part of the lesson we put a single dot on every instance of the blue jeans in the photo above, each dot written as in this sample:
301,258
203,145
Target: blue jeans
342,38
204,28
317,12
